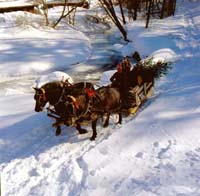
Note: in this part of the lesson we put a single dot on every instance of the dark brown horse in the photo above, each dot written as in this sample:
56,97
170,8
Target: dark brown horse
53,93
79,108
48,93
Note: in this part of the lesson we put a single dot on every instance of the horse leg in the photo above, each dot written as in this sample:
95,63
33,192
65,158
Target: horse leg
120,117
94,125
107,120
58,130
80,130
58,127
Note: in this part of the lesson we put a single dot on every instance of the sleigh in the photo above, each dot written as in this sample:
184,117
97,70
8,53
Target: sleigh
136,96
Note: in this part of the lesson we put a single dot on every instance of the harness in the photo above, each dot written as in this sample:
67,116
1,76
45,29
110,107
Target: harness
75,107
74,101
62,97
89,93
43,94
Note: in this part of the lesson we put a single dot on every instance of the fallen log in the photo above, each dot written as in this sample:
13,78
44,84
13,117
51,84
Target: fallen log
83,4
30,7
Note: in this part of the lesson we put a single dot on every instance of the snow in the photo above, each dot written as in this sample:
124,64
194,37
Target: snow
164,55
156,152
40,47
51,77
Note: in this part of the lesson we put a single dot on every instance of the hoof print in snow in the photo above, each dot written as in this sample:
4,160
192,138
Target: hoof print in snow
139,155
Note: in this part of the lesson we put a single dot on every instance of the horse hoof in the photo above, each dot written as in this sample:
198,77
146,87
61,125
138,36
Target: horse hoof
105,125
83,131
58,132
92,138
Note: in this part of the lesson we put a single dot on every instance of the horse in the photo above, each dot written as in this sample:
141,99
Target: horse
53,93
79,108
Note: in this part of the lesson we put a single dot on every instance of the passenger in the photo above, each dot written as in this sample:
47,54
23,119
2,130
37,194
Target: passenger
126,80
137,57
126,73
128,65
117,77
120,79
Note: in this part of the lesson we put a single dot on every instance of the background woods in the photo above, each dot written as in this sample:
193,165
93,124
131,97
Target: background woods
128,9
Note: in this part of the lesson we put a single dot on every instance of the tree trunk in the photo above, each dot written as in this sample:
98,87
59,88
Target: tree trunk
62,14
109,8
122,12
45,12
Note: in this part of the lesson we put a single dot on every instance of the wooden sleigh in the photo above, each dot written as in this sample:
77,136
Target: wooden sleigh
136,96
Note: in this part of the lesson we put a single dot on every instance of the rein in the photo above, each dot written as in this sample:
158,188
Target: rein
76,106
74,101
87,92
63,97
60,98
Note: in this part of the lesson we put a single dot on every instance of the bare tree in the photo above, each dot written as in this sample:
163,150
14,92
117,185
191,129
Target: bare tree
70,12
109,8
64,15
122,12
45,11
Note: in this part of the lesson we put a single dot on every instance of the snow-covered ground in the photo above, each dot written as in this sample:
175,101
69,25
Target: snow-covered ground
156,152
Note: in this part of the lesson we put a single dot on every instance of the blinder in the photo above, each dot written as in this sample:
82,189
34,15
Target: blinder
40,97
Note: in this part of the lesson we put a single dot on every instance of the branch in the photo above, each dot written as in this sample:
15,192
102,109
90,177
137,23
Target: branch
60,18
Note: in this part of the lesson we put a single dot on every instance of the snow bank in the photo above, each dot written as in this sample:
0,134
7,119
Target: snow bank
126,50
38,49
105,78
164,55
54,76
157,152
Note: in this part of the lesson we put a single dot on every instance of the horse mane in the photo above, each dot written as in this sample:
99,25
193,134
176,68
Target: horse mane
53,85
78,88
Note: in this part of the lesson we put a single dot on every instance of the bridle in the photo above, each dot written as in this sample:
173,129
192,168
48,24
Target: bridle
40,96
71,100
43,94
62,97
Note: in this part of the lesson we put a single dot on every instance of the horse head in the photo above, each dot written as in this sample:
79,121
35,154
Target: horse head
49,92
40,99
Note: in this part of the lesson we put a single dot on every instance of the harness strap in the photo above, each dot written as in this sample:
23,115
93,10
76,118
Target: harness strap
90,92
75,103
67,83
85,85
76,106
61,96
88,109
43,94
